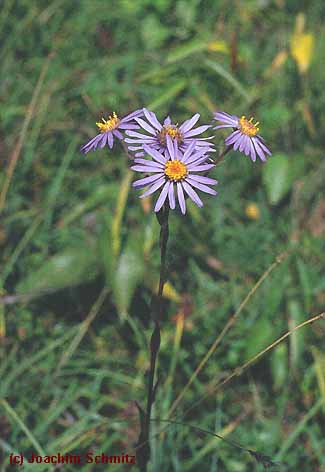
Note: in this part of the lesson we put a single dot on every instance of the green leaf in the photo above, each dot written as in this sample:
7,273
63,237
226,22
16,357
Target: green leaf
279,365
181,52
307,281
119,212
171,92
222,72
319,366
297,344
66,269
277,177
153,32
129,272
259,337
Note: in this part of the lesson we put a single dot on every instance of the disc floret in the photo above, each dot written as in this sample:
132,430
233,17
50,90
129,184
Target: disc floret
172,131
110,124
248,127
175,170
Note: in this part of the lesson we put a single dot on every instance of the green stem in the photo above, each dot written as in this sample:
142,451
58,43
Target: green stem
144,450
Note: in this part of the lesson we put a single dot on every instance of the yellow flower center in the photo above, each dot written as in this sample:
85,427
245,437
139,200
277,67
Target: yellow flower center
175,170
248,127
171,131
110,124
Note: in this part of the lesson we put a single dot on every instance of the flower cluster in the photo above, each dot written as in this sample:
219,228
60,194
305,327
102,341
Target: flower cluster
159,133
175,173
178,155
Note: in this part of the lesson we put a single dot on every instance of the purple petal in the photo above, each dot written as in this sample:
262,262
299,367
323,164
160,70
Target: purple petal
167,121
134,148
261,143
146,181
155,154
132,115
139,141
203,188
128,126
196,131
192,194
203,180
101,142
146,168
171,196
189,150
135,134
202,142
146,126
233,137
170,147
149,163
202,160
181,199
247,146
110,139
252,151
188,124
118,134
154,187
92,144
223,126
259,150
151,117
239,141
200,168
177,152
196,156
243,143
162,196
226,118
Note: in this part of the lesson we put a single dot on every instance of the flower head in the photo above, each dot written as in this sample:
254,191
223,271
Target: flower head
175,173
245,137
158,134
109,129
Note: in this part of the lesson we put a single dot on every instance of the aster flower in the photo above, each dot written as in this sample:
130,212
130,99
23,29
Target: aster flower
245,137
109,129
175,173
158,133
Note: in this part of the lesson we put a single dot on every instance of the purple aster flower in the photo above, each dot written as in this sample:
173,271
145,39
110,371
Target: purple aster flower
175,173
110,129
244,137
157,134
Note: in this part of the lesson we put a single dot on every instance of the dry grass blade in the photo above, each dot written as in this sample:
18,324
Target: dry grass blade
17,150
240,370
226,328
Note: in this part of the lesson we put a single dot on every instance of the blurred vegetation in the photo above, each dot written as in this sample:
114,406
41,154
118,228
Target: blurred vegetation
79,250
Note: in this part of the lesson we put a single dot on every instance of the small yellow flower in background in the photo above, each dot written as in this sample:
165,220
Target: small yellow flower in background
302,45
171,293
252,211
218,46
278,61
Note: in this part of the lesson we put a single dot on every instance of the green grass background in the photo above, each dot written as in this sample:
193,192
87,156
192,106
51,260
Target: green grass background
77,240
